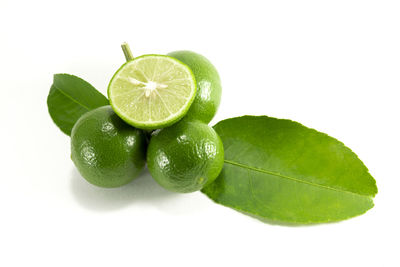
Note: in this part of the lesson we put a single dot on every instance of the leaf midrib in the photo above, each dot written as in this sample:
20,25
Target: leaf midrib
291,178
70,97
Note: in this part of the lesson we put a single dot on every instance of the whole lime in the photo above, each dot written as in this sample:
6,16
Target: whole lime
186,156
107,151
208,95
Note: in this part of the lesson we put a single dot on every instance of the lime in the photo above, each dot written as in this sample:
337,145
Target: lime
208,94
152,91
107,151
186,156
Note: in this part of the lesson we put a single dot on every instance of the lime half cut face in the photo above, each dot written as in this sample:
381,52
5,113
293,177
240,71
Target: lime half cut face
152,91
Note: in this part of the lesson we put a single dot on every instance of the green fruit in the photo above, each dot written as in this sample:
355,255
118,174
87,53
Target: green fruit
107,151
208,94
152,91
186,156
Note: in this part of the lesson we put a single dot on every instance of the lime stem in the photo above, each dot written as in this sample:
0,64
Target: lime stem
127,51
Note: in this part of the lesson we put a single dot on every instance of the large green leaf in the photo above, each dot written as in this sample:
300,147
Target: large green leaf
280,170
69,98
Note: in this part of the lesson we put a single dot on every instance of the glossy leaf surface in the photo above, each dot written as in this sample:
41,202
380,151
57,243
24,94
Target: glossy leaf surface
280,170
69,98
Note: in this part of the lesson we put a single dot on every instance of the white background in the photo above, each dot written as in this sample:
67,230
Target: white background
331,65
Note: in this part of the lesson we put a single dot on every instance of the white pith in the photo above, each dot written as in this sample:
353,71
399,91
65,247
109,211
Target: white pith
149,86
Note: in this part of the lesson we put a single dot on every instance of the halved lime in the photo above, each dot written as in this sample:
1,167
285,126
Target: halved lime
152,91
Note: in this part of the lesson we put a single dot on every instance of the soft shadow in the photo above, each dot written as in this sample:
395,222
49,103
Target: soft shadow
142,189
279,223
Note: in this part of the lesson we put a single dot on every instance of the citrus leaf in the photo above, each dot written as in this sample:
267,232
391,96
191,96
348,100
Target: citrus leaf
280,170
69,98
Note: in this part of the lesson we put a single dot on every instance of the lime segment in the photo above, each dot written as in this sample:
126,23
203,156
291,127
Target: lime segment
152,91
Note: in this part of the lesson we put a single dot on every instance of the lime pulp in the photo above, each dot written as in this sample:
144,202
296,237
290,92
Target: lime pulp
152,91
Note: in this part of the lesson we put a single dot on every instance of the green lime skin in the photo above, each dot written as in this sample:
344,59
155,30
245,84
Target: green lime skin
186,156
107,151
208,95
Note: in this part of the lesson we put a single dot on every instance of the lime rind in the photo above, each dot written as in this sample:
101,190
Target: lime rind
152,91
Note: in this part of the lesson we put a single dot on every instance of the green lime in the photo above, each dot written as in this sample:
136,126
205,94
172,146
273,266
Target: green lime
186,156
107,151
208,94
152,91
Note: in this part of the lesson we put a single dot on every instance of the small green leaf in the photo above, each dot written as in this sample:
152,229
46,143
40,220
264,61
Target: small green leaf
69,98
280,170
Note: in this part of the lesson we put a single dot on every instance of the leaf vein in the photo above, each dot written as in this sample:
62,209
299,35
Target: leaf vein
70,97
290,178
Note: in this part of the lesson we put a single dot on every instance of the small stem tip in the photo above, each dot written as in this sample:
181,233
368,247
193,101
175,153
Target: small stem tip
127,51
